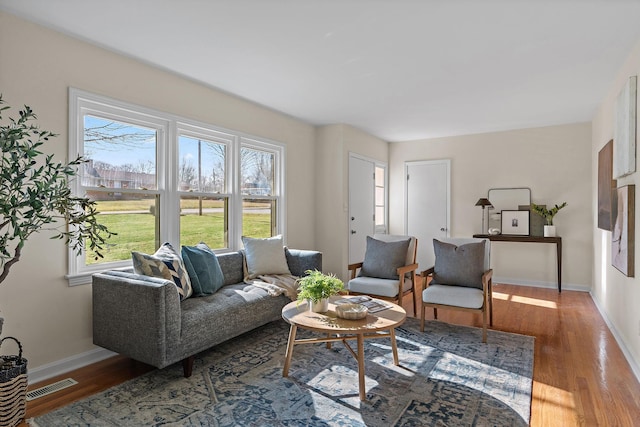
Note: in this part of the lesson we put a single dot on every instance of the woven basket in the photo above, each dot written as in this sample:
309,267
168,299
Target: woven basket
13,387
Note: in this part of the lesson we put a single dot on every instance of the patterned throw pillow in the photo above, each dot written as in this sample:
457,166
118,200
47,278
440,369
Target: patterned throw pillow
165,264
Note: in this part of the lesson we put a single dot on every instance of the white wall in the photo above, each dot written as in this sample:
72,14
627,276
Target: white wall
617,296
555,162
37,66
334,143
558,163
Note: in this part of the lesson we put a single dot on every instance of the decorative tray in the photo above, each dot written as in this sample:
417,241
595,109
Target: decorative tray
351,311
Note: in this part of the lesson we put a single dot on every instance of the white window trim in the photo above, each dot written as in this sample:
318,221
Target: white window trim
230,141
278,180
385,229
169,127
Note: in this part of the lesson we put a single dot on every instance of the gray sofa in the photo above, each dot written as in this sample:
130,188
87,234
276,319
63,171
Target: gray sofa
142,317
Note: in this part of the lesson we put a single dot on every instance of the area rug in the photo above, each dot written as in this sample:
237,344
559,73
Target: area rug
447,377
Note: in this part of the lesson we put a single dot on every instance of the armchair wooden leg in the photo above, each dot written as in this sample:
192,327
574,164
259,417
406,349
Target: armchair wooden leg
490,307
413,299
422,310
435,313
484,325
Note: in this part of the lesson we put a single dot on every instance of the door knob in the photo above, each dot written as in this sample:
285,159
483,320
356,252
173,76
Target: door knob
443,229
353,231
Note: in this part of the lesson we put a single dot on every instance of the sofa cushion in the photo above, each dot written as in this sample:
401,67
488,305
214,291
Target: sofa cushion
264,256
166,264
382,259
203,268
458,265
233,310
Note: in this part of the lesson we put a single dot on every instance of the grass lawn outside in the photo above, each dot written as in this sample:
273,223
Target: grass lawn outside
136,231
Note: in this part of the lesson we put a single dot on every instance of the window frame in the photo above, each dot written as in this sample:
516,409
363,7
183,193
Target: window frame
384,228
278,197
219,137
169,128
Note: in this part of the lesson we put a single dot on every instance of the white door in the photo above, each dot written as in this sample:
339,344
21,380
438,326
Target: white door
427,205
361,206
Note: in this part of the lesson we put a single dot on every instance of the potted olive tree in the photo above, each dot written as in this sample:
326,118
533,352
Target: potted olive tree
316,288
548,214
35,194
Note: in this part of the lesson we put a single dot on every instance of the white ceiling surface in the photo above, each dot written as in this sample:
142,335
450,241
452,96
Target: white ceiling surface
400,70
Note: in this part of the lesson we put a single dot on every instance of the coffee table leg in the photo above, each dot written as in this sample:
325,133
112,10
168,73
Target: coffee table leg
290,344
363,395
394,347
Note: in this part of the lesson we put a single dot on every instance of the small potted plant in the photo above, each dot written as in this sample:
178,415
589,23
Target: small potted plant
548,214
317,287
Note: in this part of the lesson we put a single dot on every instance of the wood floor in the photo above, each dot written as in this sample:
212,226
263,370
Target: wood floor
580,374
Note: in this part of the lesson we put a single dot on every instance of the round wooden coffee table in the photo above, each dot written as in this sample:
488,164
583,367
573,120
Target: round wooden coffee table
334,328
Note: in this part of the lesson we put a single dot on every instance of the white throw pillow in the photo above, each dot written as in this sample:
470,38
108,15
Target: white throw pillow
264,256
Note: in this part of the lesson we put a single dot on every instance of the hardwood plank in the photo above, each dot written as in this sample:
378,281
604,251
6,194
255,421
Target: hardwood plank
580,374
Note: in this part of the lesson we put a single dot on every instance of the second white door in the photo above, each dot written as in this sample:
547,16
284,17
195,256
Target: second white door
427,205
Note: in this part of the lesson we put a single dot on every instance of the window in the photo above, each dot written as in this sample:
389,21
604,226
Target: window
121,177
202,187
259,193
380,199
157,177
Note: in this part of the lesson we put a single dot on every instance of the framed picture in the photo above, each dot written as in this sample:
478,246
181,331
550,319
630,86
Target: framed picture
623,233
515,222
624,130
606,187
536,222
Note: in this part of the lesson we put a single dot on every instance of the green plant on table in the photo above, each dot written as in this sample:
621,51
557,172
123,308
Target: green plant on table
547,214
316,286
35,194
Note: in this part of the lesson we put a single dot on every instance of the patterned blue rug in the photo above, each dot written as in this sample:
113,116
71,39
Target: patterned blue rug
447,377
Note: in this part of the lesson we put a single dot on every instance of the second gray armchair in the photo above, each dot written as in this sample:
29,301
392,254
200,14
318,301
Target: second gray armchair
460,279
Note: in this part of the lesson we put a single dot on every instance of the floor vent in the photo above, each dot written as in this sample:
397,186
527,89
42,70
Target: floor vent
51,388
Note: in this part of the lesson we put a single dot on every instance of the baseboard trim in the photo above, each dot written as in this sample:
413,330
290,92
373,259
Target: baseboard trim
538,284
635,367
65,365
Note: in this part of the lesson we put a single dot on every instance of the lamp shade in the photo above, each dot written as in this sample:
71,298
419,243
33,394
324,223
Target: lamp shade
483,202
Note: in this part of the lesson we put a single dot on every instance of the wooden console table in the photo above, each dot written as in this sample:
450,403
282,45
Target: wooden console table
531,239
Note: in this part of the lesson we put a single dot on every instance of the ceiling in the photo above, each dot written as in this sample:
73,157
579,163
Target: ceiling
400,70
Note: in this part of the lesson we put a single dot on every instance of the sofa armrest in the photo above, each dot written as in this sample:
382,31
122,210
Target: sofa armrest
134,315
300,261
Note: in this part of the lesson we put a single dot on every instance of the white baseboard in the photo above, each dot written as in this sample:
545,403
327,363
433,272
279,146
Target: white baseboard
62,366
635,366
538,284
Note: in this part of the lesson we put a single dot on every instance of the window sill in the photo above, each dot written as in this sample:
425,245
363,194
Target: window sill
85,278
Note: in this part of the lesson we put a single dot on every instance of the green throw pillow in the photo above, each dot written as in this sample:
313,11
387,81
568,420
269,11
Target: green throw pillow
204,269
166,264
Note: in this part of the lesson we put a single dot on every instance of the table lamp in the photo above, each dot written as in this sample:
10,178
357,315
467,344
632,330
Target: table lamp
484,203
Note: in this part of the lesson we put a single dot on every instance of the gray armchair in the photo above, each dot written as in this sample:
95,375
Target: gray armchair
388,270
460,279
